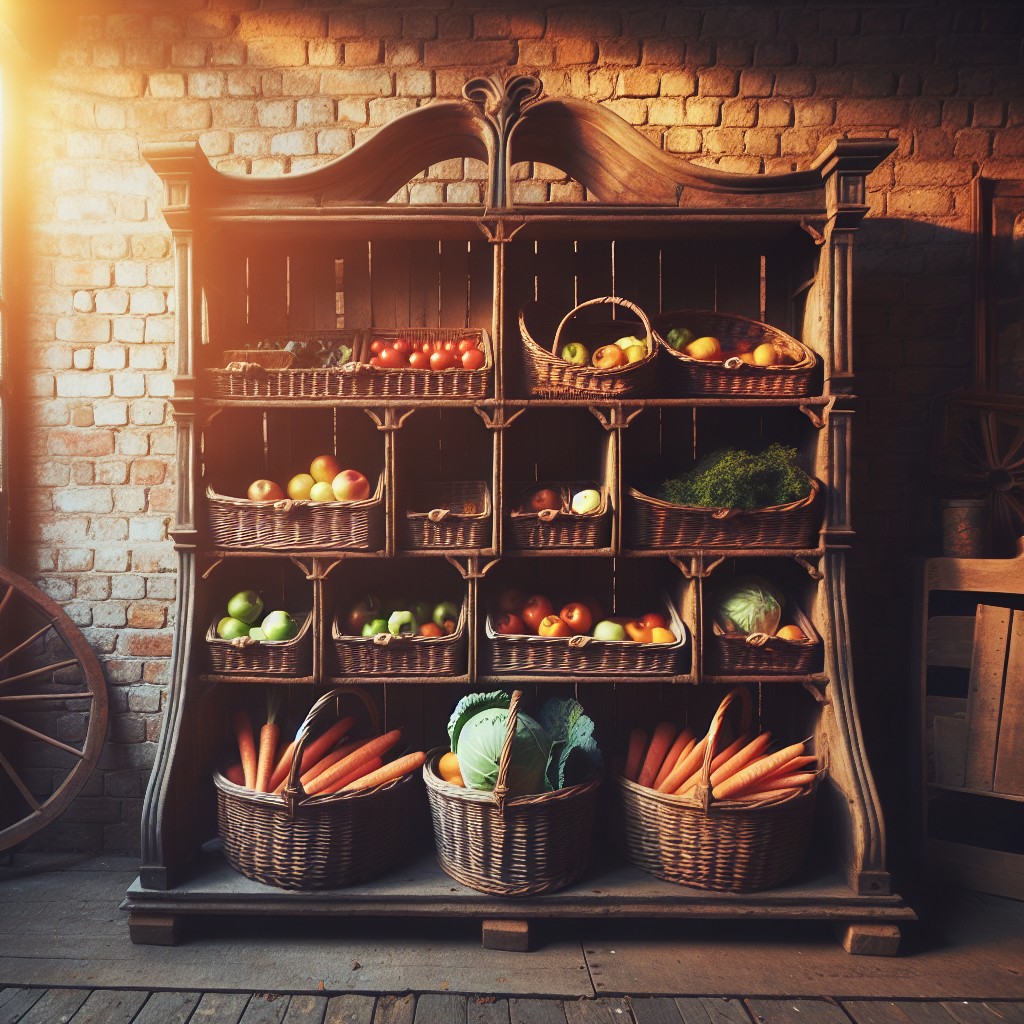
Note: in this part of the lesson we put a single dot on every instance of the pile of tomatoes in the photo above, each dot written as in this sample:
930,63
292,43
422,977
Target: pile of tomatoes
403,354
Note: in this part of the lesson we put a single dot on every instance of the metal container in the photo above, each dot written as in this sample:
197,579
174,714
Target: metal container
966,527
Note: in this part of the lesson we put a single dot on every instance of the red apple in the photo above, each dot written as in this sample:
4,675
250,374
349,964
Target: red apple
350,485
473,359
264,490
652,619
511,600
324,468
576,615
509,622
535,608
544,498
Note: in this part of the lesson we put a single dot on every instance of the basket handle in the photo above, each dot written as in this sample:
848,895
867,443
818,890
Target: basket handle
500,791
435,515
742,694
604,301
294,794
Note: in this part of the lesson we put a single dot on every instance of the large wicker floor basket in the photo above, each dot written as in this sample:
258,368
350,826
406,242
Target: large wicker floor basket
328,841
515,846
727,845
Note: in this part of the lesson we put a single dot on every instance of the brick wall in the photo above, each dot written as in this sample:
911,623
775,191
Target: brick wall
272,86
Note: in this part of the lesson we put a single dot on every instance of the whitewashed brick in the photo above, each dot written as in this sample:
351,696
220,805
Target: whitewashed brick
41,385
128,274
148,300
111,559
146,357
83,302
84,499
112,300
129,384
82,358
148,412
83,328
301,143
145,528
333,141
130,329
160,385
128,587
130,499
83,385
159,329
276,114
318,110
84,208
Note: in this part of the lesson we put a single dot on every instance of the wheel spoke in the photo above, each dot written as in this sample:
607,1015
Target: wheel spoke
17,780
5,599
43,737
11,697
25,643
42,670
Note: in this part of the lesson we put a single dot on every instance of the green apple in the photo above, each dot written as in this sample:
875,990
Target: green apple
576,353
608,630
630,341
586,502
257,634
279,626
402,623
445,611
635,353
246,605
422,611
230,628
375,626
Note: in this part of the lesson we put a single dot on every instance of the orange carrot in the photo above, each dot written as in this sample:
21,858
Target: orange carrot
755,771
364,769
795,764
378,746
312,753
246,747
234,774
684,767
661,739
683,744
325,762
392,770
794,780
753,750
635,755
270,733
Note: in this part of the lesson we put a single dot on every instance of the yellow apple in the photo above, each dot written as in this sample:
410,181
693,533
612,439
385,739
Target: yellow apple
299,486
321,491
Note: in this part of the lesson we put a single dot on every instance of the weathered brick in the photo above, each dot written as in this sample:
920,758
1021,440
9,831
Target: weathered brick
357,82
294,143
324,53
363,52
278,52
278,24
717,82
147,615
473,53
276,114
704,111
211,24
83,328
666,111
84,499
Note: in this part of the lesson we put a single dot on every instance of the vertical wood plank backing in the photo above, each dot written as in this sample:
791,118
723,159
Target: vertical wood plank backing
739,280
481,284
638,275
358,311
1009,775
519,289
226,302
267,293
455,276
312,305
556,278
991,636
389,283
689,275
594,274
424,285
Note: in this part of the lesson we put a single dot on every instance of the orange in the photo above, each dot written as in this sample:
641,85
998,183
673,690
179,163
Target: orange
660,635
448,767
790,633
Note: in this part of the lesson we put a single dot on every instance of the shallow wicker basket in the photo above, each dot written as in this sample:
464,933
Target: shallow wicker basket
289,525
654,523
583,655
385,654
728,653
550,376
561,528
449,514
264,657
724,845
295,841
732,376
510,846
239,359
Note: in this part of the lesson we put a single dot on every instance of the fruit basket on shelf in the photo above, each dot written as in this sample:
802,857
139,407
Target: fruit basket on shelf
387,650
349,363
600,650
297,525
724,354
244,655
793,649
576,514
449,514
566,367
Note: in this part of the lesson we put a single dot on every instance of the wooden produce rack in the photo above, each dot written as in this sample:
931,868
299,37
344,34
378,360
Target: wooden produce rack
327,251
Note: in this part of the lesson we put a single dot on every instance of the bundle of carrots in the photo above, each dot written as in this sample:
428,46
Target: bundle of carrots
670,761
331,763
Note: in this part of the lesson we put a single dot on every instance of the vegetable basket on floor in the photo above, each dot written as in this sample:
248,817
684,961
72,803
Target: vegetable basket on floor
317,842
510,845
723,845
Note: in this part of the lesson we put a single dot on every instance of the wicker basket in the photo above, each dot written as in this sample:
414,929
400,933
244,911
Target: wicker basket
452,514
583,655
289,525
518,846
561,528
653,523
732,376
357,378
729,653
725,845
550,376
389,655
238,360
295,841
264,657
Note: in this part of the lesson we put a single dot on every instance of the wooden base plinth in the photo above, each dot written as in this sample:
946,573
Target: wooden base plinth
149,929
870,939
511,935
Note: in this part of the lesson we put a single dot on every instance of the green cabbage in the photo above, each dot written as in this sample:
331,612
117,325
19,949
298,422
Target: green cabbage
478,749
748,604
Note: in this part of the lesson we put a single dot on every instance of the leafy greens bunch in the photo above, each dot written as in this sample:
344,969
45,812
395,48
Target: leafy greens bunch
555,750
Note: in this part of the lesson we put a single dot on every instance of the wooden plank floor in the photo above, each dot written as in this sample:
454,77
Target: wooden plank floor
109,1006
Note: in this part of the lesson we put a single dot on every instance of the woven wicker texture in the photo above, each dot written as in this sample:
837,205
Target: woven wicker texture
519,846
727,653
550,376
297,525
654,523
560,528
319,842
289,657
732,376
385,654
728,845
449,514
357,379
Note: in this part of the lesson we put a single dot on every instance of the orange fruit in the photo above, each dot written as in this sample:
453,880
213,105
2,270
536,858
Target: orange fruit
706,348
765,355
660,635
790,633
448,767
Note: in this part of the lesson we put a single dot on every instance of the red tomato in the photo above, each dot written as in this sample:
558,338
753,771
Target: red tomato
392,359
442,360
375,360
467,344
419,360
427,347
401,345
472,359
376,346
451,346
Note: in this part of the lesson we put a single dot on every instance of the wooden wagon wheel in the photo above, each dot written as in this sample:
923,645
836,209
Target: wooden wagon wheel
50,681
